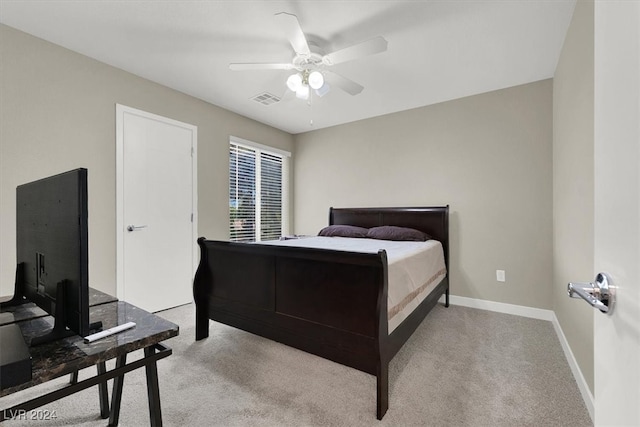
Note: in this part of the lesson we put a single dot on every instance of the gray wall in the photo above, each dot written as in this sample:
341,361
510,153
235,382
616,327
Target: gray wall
573,183
489,156
57,112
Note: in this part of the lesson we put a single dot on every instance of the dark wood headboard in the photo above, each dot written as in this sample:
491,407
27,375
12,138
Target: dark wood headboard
432,220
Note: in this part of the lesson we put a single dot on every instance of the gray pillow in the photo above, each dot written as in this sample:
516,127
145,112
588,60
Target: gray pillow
392,232
343,231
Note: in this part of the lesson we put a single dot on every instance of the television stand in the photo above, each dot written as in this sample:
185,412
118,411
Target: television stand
18,297
59,330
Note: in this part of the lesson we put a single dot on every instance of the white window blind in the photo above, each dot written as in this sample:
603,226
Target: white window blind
255,194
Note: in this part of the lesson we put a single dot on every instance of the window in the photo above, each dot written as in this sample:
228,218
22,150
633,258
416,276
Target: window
255,192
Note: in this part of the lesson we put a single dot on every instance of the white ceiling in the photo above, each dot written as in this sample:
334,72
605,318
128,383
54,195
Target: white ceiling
437,50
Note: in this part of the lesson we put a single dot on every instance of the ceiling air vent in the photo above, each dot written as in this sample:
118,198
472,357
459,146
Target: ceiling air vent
266,98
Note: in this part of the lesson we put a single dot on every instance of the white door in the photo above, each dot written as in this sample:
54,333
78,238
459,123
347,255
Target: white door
617,209
156,209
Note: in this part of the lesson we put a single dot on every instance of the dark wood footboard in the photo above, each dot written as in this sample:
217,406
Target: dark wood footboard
324,302
329,303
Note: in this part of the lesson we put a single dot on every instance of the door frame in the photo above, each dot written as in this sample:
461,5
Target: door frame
121,110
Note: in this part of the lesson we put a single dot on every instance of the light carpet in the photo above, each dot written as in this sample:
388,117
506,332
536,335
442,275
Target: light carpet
462,367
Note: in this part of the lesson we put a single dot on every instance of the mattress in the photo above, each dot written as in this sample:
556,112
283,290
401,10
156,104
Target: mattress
414,268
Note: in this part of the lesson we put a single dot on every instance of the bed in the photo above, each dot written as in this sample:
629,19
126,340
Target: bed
332,303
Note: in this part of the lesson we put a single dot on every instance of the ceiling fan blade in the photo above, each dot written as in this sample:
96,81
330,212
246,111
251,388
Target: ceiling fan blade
369,47
294,33
343,83
259,66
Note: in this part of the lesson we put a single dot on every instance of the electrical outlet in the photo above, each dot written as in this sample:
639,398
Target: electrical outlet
500,276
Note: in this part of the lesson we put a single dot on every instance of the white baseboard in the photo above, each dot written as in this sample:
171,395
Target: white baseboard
500,307
587,396
535,313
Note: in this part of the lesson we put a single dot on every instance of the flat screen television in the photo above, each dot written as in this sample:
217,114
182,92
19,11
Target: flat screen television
52,251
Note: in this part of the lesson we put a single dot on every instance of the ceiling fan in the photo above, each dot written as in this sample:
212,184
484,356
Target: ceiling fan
311,63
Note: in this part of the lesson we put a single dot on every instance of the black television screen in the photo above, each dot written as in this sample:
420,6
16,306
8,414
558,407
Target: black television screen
52,248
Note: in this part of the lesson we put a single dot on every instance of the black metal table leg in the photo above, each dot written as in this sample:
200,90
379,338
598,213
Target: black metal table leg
103,393
153,389
116,395
73,379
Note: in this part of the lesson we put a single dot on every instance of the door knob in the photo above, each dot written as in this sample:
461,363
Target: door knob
135,227
599,294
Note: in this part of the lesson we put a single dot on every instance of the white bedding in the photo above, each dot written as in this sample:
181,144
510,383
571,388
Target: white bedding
415,268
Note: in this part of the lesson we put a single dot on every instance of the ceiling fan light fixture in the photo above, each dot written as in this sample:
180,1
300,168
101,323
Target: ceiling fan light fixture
303,92
316,79
294,82
310,61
